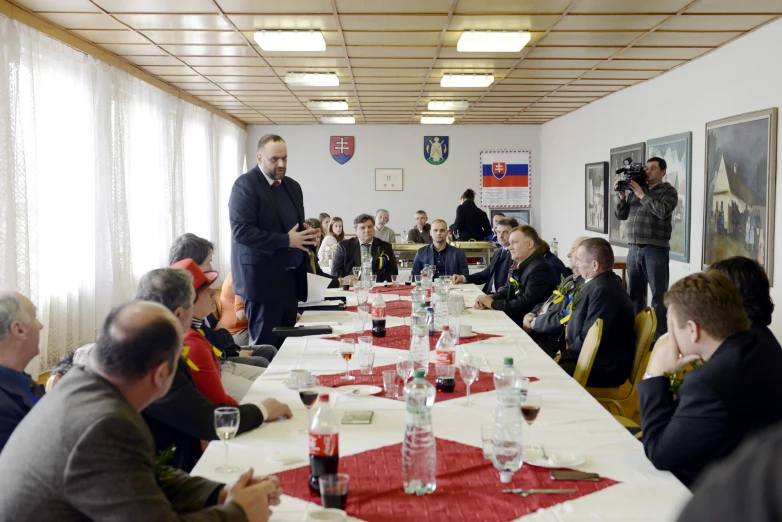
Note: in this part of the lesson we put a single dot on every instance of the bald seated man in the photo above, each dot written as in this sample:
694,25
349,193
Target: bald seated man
100,462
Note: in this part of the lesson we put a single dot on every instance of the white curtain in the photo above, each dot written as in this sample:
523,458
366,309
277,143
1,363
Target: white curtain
99,172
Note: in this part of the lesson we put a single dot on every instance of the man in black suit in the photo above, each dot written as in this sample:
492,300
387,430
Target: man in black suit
531,278
269,242
720,403
471,222
602,296
348,252
494,276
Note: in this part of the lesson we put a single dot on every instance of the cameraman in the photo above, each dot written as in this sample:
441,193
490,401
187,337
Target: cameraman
648,213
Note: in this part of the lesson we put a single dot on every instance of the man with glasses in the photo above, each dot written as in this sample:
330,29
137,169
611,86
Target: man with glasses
648,212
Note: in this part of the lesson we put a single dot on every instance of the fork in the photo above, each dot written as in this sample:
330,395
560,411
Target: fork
524,493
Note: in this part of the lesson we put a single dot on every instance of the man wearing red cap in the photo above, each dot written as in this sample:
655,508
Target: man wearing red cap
230,382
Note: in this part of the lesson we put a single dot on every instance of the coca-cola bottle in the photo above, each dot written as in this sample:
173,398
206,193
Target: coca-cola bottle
378,316
324,443
445,353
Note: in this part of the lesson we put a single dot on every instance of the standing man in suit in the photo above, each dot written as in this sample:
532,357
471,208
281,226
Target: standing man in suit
719,404
444,258
494,276
268,242
602,296
348,252
102,464
471,222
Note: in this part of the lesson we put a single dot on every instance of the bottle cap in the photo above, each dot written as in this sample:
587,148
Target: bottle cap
430,309
323,397
506,476
418,283
419,373
446,328
508,361
421,305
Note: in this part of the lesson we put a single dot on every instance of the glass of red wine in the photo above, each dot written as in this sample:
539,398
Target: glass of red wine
334,490
308,393
530,408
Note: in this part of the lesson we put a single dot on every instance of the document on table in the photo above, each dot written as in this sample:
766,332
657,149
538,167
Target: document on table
316,288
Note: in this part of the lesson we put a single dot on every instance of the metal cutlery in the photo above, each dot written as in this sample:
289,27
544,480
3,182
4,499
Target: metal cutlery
527,492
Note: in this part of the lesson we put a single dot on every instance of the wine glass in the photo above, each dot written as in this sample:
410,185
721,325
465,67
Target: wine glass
308,393
226,426
404,368
347,347
468,369
530,408
357,271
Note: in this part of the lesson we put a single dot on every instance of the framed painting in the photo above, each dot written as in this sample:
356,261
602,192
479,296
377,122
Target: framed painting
739,202
389,179
522,215
595,202
676,150
617,234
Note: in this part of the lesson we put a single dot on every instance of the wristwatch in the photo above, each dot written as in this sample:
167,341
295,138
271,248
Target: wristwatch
648,375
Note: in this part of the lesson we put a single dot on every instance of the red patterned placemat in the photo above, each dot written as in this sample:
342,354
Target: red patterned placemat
399,337
468,487
394,308
484,383
399,290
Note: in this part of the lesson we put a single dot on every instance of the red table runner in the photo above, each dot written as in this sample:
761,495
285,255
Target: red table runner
399,337
393,308
399,290
468,487
484,383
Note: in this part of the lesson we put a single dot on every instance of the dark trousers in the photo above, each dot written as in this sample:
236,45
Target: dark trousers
551,344
263,318
648,266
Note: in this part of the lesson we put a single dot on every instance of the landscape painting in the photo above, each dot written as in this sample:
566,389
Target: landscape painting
637,152
676,150
595,202
740,186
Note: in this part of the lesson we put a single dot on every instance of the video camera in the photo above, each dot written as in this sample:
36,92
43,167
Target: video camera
633,172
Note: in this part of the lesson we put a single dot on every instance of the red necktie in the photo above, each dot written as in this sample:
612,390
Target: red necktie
276,184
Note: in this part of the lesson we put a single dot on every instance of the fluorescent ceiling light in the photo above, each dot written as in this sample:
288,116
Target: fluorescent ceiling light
327,105
437,120
466,80
296,41
492,41
447,105
312,79
338,119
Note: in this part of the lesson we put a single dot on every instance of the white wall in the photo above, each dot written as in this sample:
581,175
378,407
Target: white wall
743,76
348,190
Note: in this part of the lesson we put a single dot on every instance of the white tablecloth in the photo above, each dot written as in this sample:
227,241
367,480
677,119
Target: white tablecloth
570,419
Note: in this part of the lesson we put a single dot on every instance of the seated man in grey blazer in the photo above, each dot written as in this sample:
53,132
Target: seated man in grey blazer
446,259
100,462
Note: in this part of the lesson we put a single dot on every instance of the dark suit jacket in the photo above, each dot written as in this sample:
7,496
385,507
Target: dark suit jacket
184,417
83,453
605,298
557,264
348,254
471,222
455,261
536,282
15,402
498,269
719,404
548,314
259,239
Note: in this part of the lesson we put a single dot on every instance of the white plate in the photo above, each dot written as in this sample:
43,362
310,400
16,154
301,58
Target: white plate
468,336
359,389
557,459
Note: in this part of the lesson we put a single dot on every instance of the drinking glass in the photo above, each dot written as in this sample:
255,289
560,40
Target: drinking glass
395,280
454,326
468,369
374,279
347,347
362,295
226,426
366,359
357,271
530,408
523,386
404,367
418,279
334,490
389,383
358,323
308,393
487,439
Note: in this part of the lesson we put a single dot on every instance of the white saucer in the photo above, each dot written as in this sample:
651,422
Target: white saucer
468,336
359,389
557,459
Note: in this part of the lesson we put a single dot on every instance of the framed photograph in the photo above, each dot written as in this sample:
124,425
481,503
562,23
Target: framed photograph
739,203
637,154
522,215
389,179
595,201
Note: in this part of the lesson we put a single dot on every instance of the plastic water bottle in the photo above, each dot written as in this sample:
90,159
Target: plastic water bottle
507,456
427,275
554,246
419,452
440,303
419,344
366,266
418,295
444,351
507,378
418,319
430,320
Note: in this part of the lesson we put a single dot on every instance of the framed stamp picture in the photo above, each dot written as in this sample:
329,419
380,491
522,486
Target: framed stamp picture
522,215
676,150
739,202
389,179
595,201
637,154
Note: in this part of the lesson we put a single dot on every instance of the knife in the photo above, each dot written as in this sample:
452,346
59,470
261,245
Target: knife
541,491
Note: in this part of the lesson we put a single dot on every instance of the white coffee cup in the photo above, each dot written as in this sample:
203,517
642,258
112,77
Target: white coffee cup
298,377
465,330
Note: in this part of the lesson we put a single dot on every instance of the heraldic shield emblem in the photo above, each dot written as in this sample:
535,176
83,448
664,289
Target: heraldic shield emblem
342,148
436,149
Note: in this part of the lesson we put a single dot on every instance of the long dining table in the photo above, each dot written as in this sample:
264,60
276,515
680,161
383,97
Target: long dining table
570,421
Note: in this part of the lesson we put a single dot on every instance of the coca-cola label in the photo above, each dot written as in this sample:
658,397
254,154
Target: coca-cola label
378,312
324,445
445,356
